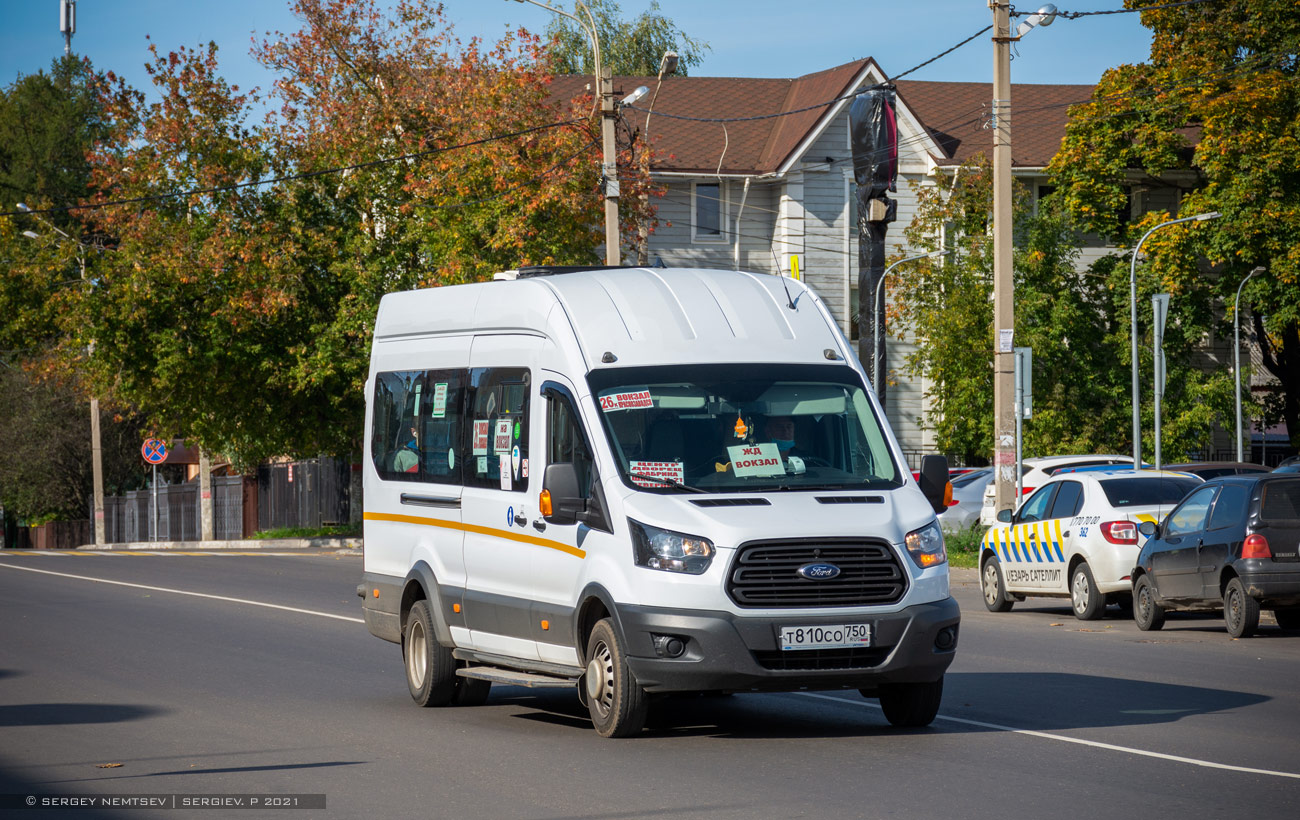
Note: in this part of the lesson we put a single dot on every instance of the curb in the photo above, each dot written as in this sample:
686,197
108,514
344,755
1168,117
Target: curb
243,544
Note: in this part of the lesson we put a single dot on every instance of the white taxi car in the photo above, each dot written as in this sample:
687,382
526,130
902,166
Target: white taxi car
1077,537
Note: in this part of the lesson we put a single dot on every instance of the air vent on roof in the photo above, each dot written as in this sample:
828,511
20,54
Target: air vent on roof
850,499
731,502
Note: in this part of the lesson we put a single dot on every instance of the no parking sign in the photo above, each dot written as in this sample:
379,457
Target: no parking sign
154,450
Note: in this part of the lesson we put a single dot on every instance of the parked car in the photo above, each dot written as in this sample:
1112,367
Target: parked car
1077,537
967,500
1037,471
1215,469
1231,544
1290,465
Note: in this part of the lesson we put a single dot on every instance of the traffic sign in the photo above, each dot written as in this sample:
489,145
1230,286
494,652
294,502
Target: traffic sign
154,451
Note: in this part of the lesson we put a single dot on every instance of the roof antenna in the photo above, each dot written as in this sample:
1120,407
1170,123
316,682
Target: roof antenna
781,274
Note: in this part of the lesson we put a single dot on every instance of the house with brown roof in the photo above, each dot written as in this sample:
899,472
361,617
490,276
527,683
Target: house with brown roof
776,181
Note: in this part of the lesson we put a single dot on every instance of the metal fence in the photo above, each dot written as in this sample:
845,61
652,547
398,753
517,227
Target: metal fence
311,493
131,517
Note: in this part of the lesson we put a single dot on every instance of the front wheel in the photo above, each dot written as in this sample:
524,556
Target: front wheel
995,591
1240,611
617,703
1148,614
911,705
1088,603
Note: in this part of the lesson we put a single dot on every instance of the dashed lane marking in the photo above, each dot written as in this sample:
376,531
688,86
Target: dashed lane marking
8,565
1209,764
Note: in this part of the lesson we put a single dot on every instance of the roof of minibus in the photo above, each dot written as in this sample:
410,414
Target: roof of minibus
643,316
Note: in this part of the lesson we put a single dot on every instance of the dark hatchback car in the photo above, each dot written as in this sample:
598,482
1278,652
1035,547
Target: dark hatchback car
1216,469
1232,543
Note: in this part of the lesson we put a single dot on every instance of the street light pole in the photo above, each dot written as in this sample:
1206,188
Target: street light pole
1133,320
1236,354
604,86
1004,436
96,452
876,369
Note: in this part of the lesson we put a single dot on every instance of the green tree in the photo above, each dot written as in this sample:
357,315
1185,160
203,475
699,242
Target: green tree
1217,109
1075,320
629,47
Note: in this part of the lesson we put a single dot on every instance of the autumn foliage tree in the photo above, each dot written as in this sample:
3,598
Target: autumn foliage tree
1216,109
238,302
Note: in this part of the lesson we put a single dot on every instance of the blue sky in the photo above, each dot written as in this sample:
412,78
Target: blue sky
754,38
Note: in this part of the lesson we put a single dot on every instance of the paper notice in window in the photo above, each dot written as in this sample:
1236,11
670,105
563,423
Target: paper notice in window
657,469
440,400
756,459
502,442
627,400
480,436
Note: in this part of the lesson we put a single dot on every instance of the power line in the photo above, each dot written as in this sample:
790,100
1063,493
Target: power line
1074,15
294,177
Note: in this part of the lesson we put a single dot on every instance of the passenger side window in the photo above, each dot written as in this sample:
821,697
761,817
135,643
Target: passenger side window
566,443
1069,500
415,434
1036,507
497,428
1189,517
1229,507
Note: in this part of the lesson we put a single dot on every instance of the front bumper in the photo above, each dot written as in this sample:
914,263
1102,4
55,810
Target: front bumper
739,653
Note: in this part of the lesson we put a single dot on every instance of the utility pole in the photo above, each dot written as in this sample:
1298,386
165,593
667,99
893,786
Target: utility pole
1004,323
609,170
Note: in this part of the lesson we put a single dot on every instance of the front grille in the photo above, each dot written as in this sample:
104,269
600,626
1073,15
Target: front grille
822,659
763,574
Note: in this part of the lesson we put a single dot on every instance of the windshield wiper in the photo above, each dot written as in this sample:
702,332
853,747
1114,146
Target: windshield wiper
671,482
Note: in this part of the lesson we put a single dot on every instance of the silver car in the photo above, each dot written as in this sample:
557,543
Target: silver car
968,497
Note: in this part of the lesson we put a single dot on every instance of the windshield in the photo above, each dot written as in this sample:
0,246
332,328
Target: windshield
745,427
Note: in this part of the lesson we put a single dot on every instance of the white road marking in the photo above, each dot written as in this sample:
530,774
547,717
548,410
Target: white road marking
1209,764
8,565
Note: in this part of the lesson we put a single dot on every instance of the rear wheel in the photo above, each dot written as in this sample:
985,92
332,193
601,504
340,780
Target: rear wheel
617,703
1147,613
1288,619
995,591
1088,603
1240,611
911,705
430,668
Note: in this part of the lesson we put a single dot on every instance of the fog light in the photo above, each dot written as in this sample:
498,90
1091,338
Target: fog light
669,646
946,640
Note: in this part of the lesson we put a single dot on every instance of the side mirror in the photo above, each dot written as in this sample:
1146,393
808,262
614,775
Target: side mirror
561,482
934,482
1004,516
1147,528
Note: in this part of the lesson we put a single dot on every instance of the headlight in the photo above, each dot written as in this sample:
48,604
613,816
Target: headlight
926,546
670,551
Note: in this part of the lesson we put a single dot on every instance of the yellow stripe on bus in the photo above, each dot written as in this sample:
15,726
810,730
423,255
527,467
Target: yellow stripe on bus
477,530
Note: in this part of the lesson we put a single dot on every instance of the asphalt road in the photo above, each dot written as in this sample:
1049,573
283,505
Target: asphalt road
212,694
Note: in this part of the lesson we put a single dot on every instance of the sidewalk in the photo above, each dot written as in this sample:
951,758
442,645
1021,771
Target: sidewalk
247,544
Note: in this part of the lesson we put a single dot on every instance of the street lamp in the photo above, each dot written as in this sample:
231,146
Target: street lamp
1236,353
608,114
877,364
96,455
1133,319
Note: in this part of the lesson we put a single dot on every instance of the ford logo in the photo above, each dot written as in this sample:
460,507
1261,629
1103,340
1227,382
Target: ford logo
818,572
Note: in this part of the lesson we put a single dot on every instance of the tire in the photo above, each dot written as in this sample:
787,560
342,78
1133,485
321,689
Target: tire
471,691
1088,604
617,703
911,705
430,668
1148,614
991,584
1240,611
1288,619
